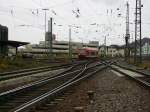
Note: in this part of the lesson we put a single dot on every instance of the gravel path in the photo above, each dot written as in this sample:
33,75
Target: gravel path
112,94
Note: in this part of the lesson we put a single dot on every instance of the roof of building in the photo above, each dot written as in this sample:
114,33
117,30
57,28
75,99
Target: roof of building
112,46
14,43
89,49
143,41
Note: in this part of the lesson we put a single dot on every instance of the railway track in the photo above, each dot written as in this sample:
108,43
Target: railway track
50,95
10,100
26,72
140,77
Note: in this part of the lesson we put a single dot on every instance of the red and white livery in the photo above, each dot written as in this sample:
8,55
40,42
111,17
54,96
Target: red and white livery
87,52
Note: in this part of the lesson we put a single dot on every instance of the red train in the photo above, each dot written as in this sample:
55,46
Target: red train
85,53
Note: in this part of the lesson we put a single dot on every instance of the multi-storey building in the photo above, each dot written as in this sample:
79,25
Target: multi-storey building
146,49
58,48
3,37
8,47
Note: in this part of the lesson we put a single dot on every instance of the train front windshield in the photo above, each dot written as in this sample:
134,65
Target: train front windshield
82,52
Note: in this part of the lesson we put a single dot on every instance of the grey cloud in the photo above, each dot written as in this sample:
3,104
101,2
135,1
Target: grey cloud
107,2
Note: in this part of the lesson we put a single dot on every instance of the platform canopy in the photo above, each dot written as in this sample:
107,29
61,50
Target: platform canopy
13,43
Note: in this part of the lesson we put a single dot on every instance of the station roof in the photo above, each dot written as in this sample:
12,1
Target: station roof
13,43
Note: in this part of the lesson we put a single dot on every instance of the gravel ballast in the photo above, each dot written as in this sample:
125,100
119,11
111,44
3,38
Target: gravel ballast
113,93
17,82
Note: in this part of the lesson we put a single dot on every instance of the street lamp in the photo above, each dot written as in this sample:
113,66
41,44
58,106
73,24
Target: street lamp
70,39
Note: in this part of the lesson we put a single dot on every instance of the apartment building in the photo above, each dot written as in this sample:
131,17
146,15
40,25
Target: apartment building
111,51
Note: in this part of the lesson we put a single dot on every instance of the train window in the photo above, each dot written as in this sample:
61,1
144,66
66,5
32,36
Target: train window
82,52
87,52
92,53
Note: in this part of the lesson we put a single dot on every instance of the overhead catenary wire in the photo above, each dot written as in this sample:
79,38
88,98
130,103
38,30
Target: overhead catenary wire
59,19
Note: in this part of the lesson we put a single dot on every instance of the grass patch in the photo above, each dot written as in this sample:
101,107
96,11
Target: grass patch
19,63
145,64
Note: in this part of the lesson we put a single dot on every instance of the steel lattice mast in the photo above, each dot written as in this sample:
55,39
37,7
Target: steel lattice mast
138,34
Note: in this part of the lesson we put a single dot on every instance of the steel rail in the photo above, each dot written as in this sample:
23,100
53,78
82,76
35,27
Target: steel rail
45,96
133,70
26,72
30,69
18,90
36,83
139,80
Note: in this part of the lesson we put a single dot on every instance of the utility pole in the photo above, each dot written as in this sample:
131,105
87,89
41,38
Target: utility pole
138,33
45,20
45,26
105,48
127,37
50,36
70,44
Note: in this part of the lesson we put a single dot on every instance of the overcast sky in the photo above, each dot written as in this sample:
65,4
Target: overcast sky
25,19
